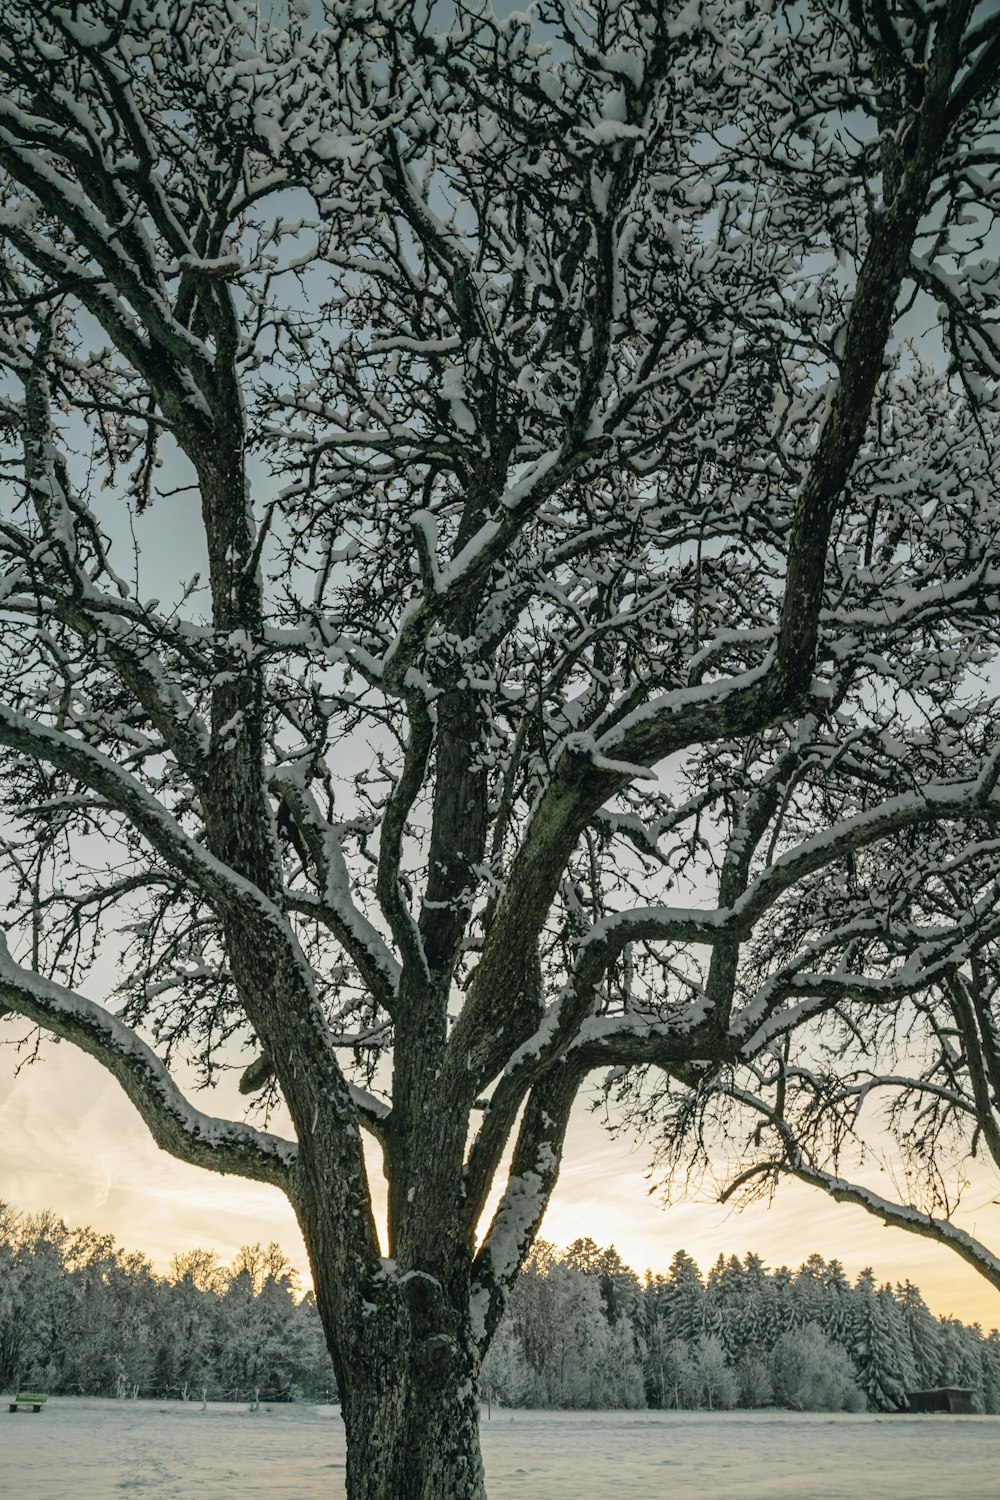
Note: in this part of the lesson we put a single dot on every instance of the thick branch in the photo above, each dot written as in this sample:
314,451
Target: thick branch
175,1125
895,1215
532,1178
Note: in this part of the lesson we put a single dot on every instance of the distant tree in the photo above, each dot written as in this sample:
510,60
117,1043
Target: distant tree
896,1323
755,1297
879,1349
776,1314
14,1270
48,1302
809,1373
991,1374
656,1338
716,1384
506,1376
923,1334
684,1298
189,1340
684,1383
310,1357
623,1386
253,1314
727,1307
198,1269
808,1288
754,1382
960,1359
712,1312
131,1305
620,1286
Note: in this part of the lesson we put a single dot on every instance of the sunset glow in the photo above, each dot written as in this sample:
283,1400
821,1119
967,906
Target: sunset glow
82,1152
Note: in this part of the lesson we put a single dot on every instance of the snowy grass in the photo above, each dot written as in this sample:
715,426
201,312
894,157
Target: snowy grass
95,1450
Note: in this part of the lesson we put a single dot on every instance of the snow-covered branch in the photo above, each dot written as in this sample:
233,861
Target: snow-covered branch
175,1125
533,1173
894,1215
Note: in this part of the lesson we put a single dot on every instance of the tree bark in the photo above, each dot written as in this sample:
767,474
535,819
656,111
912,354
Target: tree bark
410,1403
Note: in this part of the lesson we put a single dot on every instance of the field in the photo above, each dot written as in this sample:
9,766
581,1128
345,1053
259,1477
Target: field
94,1450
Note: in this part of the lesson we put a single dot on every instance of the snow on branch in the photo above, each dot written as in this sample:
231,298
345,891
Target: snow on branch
127,795
176,1126
533,1173
335,905
594,660
132,636
894,1215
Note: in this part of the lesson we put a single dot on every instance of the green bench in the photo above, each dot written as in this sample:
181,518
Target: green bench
22,1401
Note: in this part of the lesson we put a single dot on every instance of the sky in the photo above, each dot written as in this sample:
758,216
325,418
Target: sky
70,1142
73,1143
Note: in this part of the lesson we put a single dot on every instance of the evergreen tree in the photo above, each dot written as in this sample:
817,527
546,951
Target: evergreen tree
877,1349
899,1342
808,1291
990,1350
755,1312
777,1315
834,1304
923,1333
656,1337
726,1307
621,1292
961,1362
684,1296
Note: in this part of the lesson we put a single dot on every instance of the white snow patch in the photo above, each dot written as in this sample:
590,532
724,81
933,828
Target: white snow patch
175,1450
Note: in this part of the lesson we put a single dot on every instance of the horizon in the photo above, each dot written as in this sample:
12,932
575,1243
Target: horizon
84,1154
794,1264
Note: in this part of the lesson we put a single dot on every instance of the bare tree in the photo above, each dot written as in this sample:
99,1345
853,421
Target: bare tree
584,562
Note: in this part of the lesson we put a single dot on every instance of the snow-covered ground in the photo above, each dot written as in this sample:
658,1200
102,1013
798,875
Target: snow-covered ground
94,1450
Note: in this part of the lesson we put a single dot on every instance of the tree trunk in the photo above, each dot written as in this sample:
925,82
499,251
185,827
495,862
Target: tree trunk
412,1423
407,1367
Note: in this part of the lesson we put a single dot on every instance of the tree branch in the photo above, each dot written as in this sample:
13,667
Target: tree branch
175,1125
895,1215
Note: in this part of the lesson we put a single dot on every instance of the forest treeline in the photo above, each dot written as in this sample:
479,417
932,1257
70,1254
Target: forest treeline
80,1315
583,1331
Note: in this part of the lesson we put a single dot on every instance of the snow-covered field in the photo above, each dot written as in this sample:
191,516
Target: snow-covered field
94,1450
